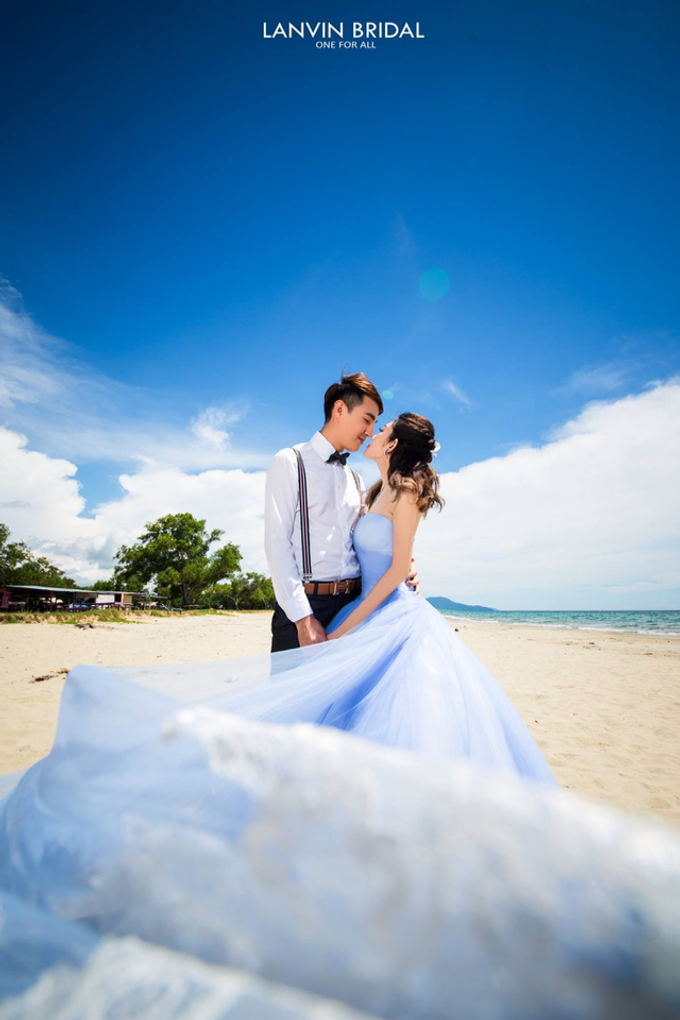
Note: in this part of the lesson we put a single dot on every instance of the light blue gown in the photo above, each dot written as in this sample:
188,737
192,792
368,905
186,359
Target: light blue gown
403,678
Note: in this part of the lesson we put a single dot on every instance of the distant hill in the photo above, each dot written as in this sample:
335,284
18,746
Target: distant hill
439,602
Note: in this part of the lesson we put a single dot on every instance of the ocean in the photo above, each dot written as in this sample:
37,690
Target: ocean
643,621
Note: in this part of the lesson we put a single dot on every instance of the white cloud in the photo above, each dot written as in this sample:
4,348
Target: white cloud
67,408
55,403
456,392
209,425
41,504
594,379
590,519
32,484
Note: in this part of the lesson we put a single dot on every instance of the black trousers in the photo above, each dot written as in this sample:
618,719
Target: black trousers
324,608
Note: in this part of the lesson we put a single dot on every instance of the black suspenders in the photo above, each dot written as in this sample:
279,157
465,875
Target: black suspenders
304,514
304,519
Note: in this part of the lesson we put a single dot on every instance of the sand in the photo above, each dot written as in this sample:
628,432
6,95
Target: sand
604,707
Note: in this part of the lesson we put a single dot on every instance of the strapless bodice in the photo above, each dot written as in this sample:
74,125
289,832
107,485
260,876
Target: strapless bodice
372,539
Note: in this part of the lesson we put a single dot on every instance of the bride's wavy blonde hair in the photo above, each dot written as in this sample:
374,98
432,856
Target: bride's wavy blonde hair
409,467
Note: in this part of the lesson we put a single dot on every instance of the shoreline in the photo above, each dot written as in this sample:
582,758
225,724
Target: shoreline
566,626
603,706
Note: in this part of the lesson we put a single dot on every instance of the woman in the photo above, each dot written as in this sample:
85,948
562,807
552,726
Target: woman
407,680
407,489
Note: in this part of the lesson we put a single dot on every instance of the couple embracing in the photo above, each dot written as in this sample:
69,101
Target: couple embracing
341,565
313,501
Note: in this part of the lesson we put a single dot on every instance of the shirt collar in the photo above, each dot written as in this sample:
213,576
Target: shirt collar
321,446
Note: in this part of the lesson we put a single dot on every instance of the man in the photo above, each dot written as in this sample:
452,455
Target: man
305,608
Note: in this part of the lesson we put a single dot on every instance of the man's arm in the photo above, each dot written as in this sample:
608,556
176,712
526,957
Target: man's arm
280,503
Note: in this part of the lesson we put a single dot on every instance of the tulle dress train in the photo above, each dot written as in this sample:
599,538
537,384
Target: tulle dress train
402,678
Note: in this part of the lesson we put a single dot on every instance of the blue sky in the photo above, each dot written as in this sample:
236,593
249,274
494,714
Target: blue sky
207,219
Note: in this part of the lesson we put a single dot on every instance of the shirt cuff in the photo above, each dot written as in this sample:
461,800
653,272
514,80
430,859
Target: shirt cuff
296,607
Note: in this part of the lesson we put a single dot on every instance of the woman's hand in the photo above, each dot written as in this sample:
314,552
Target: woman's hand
413,581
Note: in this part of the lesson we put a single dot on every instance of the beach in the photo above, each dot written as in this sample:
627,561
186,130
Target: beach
603,706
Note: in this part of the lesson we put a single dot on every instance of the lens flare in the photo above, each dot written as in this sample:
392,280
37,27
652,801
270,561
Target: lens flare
434,284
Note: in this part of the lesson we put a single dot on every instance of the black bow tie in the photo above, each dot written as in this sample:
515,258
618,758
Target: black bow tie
338,458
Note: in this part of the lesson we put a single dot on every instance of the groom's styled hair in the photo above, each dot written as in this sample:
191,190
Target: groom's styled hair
351,390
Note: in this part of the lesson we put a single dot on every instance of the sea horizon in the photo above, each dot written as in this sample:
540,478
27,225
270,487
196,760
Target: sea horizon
639,621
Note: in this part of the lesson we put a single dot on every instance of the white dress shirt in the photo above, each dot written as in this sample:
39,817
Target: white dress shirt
334,505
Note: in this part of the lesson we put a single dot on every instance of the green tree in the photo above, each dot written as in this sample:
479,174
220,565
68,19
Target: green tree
107,584
244,591
18,565
173,553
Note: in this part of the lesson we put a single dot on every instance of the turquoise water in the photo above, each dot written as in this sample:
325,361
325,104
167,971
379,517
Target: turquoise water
647,621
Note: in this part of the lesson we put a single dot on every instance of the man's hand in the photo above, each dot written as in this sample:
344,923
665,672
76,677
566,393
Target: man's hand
412,580
310,631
